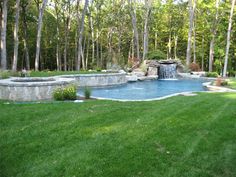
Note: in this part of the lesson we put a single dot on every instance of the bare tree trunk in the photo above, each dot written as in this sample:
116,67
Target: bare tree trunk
155,43
25,37
97,48
67,29
16,40
87,54
192,4
101,58
135,29
202,53
228,38
80,33
145,33
169,47
58,51
92,35
175,49
3,36
39,32
212,43
194,41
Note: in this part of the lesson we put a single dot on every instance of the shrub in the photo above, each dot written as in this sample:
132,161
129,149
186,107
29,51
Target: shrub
4,74
87,93
194,67
67,93
221,82
156,55
212,74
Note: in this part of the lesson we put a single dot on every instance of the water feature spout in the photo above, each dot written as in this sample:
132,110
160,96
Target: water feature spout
167,71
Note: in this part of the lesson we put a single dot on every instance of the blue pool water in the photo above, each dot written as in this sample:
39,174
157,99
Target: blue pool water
146,89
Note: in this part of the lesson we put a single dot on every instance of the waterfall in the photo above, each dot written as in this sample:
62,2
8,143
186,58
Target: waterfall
167,71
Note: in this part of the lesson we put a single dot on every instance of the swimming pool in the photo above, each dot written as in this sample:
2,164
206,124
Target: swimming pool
144,90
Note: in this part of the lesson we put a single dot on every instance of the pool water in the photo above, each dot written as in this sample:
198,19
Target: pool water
143,90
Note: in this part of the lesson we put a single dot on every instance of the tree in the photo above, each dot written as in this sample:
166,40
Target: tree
135,29
80,33
213,34
16,40
192,5
24,7
145,33
39,32
3,36
228,38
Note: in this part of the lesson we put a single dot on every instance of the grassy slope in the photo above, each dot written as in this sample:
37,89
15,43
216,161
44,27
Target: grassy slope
180,136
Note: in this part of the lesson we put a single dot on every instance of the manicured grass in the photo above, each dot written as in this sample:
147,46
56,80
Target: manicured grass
180,137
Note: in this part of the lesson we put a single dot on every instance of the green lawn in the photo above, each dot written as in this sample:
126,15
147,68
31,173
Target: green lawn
179,137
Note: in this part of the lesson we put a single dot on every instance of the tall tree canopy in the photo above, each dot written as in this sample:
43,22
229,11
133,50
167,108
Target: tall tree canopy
95,34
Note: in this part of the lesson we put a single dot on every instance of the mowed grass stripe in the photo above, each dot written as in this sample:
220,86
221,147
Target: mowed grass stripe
180,136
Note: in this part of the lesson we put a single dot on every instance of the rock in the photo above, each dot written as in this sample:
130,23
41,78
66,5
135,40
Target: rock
152,71
131,78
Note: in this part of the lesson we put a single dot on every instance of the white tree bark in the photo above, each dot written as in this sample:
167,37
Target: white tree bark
145,33
192,4
81,30
212,43
3,36
16,40
135,29
39,32
228,38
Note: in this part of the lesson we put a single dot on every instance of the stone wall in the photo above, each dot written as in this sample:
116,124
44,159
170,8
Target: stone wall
30,90
96,80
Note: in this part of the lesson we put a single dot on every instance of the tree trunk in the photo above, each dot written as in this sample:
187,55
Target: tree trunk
80,32
228,38
97,47
67,29
213,33
192,4
87,54
58,51
169,47
194,41
145,33
202,53
25,37
16,40
175,49
3,36
135,29
92,35
39,32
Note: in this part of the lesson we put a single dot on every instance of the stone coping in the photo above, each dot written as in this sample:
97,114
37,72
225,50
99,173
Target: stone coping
217,88
92,75
35,81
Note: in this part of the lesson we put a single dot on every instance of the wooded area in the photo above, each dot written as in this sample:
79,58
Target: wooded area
96,34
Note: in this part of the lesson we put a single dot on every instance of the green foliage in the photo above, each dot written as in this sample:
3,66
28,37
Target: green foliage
4,74
156,55
66,93
87,92
212,74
